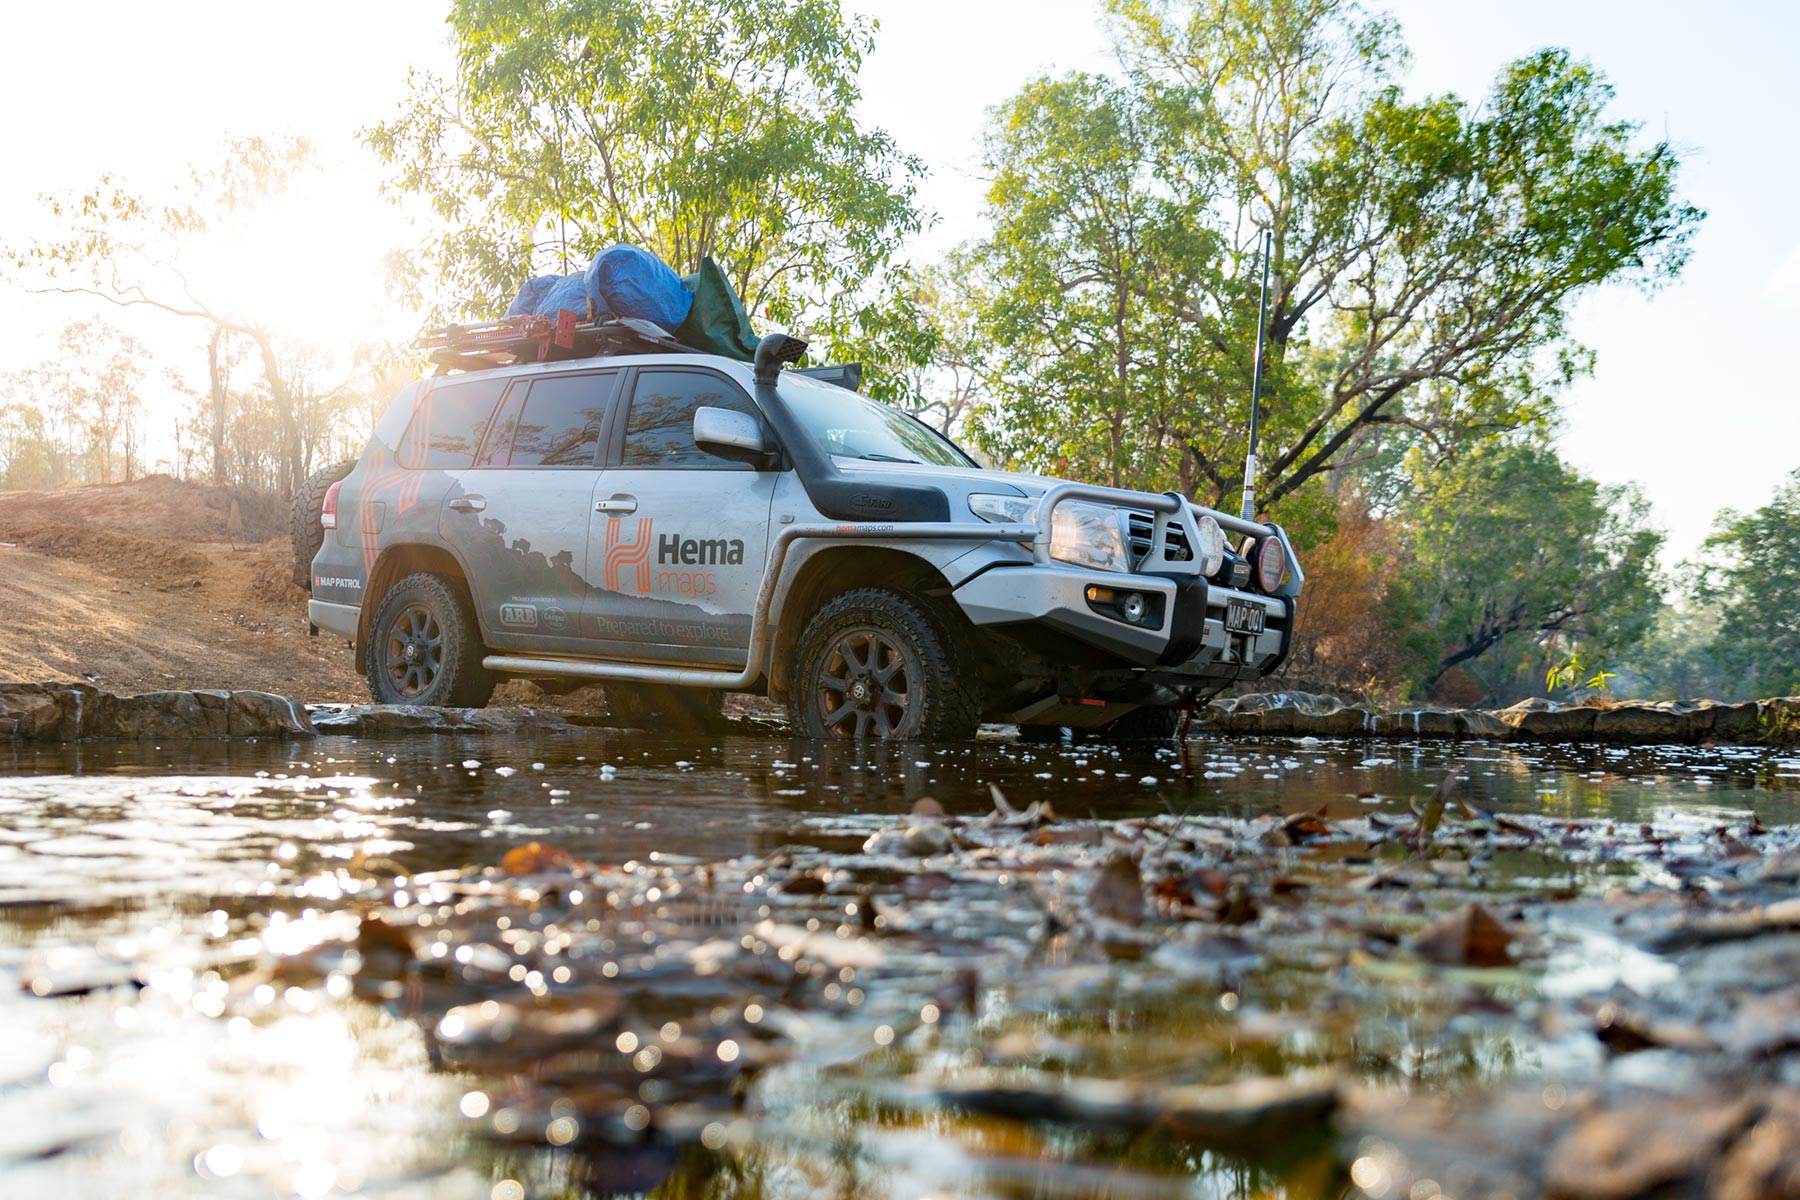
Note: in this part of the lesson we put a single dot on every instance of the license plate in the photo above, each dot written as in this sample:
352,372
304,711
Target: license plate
1243,617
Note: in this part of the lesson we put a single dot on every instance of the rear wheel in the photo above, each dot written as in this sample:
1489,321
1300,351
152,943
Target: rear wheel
424,647
304,531
873,664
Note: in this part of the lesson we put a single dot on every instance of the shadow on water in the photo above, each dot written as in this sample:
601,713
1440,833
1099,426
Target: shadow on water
195,906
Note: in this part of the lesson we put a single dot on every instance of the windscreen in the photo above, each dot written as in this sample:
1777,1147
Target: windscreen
852,426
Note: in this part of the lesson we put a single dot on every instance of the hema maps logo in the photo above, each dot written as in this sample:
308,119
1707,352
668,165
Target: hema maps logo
672,550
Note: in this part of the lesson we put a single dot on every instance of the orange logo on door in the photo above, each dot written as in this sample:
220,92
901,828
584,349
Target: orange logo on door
620,553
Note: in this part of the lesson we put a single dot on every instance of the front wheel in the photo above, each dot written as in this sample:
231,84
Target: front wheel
873,664
424,647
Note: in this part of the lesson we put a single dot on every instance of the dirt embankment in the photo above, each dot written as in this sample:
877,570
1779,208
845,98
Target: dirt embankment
159,584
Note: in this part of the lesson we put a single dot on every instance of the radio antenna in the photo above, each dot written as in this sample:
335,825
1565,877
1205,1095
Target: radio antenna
1262,324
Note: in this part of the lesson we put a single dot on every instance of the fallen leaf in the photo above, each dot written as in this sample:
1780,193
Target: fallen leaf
1433,812
1648,1146
1117,893
535,858
1471,936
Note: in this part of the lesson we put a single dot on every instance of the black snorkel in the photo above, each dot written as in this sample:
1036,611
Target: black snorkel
832,493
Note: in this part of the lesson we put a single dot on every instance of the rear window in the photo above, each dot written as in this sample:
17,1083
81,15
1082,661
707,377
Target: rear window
448,425
561,421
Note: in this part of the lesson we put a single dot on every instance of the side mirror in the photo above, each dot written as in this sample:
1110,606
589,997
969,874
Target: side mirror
729,434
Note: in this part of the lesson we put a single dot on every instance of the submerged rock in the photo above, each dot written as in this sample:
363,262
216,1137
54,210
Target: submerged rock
67,712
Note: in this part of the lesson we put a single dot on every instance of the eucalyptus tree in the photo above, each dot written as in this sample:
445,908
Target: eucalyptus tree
132,250
1427,251
721,128
1755,562
1510,546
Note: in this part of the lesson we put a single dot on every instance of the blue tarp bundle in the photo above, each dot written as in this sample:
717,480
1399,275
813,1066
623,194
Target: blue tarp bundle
526,301
622,281
636,283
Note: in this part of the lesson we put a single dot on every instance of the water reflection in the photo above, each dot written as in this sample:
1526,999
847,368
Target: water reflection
155,884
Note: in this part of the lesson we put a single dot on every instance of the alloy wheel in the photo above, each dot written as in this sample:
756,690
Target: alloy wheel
862,687
415,651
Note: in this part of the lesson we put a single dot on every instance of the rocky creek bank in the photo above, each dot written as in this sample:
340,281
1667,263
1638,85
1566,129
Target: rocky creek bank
63,712
1631,722
68,712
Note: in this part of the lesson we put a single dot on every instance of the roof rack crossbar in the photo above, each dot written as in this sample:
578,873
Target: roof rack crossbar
487,344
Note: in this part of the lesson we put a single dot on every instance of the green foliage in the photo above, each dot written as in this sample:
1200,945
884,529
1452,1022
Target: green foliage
1426,252
688,127
1580,674
1758,562
1519,557
1079,288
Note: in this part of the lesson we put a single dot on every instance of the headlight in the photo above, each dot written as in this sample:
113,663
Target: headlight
1089,535
1211,550
1004,510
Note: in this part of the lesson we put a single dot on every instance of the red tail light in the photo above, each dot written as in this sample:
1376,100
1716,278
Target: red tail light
1271,564
328,515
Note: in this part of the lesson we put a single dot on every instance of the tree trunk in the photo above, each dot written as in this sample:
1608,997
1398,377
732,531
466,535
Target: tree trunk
288,462
218,403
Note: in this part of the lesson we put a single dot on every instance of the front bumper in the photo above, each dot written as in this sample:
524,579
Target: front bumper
1189,636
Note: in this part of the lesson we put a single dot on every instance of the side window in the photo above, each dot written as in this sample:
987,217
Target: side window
659,431
498,446
560,424
448,425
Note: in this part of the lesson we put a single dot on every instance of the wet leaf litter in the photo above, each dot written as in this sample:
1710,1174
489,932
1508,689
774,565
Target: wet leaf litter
1055,995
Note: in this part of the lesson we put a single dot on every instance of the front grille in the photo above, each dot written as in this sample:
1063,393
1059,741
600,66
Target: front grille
1142,528
1142,532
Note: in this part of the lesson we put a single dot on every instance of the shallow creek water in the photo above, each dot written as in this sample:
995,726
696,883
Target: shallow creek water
190,1001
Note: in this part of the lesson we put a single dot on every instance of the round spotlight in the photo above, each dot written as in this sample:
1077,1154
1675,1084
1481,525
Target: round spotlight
1135,608
1271,565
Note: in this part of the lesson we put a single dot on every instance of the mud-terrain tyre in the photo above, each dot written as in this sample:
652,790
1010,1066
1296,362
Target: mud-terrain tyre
665,707
1151,723
874,663
304,530
424,647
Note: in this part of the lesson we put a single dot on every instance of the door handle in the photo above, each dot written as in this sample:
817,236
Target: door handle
617,504
467,504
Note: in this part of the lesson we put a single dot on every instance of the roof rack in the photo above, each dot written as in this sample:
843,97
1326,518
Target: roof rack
528,338
488,344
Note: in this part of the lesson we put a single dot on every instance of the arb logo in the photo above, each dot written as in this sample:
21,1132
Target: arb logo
621,553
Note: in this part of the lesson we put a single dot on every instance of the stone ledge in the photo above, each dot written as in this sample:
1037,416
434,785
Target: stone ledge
69,712
1634,722
400,720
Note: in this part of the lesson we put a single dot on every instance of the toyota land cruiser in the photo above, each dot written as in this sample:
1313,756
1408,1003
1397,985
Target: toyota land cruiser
678,525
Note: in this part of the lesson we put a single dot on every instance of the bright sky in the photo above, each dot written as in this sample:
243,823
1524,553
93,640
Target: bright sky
1694,396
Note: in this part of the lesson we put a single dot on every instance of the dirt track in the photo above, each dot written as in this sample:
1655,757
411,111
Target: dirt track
90,590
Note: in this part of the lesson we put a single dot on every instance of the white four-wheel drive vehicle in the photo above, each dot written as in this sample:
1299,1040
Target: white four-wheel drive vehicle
678,525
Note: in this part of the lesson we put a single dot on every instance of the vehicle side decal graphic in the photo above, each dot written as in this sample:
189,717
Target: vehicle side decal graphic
620,553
